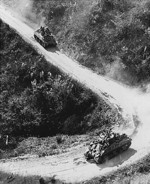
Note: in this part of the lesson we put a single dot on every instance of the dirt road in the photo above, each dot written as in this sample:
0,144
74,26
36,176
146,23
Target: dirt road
109,90
71,166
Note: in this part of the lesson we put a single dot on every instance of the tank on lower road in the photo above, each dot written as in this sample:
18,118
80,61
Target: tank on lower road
108,145
44,36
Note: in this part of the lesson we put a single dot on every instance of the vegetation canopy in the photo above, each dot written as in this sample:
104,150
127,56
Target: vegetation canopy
112,37
38,100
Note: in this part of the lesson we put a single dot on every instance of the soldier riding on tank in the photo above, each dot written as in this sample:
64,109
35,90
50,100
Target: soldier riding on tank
108,146
44,36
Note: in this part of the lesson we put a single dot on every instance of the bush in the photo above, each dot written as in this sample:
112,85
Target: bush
96,33
54,146
59,139
37,100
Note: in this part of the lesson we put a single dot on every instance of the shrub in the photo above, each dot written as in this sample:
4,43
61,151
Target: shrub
59,139
97,32
38,100
54,146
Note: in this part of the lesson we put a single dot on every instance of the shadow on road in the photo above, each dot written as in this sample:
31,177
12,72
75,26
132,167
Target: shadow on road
118,160
52,49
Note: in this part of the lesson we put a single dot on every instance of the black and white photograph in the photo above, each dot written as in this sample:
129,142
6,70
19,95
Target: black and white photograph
75,91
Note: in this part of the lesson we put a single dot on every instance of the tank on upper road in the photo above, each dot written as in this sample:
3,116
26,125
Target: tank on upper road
44,36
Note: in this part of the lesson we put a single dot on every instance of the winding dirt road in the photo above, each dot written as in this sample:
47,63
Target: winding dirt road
110,91
71,166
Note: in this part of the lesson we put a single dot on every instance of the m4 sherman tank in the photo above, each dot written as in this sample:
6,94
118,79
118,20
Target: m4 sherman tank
45,37
109,145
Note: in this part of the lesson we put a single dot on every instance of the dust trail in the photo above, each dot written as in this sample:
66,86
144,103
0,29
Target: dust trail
28,12
138,104
25,11
133,101
142,103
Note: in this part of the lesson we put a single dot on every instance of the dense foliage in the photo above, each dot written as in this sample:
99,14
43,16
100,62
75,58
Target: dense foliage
110,36
37,100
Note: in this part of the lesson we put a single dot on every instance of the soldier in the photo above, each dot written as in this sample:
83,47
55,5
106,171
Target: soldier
42,31
47,31
98,148
6,140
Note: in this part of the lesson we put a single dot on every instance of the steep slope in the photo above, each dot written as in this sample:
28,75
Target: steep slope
110,37
114,93
110,91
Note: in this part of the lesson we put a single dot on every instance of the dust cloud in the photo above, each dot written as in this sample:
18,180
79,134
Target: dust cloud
28,12
142,105
138,105
117,71
25,10
135,103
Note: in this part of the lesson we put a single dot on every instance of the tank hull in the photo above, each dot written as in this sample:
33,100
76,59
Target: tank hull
46,40
101,153
113,151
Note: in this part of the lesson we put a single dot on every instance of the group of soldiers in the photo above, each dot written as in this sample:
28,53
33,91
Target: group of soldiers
97,148
45,31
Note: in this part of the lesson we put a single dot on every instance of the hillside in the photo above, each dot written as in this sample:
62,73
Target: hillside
24,71
38,100
44,112
110,37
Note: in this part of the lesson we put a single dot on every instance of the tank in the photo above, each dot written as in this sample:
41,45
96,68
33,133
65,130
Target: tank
108,145
44,36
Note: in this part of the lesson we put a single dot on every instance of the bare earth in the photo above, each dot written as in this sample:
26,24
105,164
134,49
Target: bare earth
71,166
